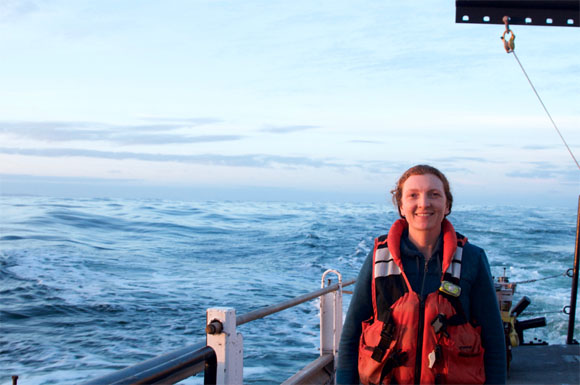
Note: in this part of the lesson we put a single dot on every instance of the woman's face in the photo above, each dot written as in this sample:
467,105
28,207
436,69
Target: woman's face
423,203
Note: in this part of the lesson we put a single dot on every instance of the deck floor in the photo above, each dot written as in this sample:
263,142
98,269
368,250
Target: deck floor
545,364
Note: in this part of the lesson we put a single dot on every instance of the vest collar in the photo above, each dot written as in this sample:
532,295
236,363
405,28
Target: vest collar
449,242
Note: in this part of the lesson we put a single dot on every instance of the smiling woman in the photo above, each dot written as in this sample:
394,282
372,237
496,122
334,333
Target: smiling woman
424,199
424,307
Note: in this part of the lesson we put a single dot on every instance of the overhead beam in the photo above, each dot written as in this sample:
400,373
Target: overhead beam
560,13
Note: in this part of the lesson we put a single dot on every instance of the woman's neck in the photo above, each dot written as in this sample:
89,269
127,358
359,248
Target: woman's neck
426,242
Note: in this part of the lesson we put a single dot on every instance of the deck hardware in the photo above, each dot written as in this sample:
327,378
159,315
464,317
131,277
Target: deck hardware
214,327
566,310
508,44
570,273
228,346
331,319
520,307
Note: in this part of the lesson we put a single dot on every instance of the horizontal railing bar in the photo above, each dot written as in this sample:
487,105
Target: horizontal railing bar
309,370
265,311
190,360
161,368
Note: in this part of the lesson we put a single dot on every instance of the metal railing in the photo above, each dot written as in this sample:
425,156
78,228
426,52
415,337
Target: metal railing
228,343
265,311
221,358
166,369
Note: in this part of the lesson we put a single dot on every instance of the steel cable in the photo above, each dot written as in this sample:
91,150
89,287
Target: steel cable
540,279
545,109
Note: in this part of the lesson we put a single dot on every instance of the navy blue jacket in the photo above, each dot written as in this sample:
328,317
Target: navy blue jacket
477,297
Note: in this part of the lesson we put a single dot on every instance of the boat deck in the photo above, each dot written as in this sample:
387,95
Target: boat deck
545,364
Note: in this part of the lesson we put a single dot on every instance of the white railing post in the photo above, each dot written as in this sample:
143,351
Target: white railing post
228,346
331,320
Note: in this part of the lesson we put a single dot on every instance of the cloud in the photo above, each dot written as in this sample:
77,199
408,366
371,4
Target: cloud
104,188
457,159
10,9
58,179
287,129
125,135
366,141
249,160
547,170
537,147
186,121
173,139
54,131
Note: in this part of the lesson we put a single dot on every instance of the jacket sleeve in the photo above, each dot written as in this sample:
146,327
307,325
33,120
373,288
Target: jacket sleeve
485,310
359,310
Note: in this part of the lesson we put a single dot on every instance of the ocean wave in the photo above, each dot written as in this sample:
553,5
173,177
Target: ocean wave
91,285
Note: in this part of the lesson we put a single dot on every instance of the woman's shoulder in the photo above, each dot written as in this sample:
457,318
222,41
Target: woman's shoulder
469,247
473,256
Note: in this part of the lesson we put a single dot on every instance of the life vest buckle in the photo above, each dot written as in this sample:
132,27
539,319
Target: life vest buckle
387,335
439,324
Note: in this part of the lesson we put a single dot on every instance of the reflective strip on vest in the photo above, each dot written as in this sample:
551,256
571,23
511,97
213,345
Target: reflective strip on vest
384,264
455,266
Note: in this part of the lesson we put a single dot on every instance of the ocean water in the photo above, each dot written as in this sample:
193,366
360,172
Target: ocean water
89,286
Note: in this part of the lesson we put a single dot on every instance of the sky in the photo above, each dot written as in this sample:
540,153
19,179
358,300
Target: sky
281,100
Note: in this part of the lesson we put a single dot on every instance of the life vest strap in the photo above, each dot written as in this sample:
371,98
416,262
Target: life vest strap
396,359
459,318
454,268
387,336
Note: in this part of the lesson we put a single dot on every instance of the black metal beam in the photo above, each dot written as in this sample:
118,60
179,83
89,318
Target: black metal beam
166,369
560,13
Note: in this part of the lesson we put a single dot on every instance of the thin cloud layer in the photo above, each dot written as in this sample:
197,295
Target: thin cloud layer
16,8
459,159
287,129
60,179
159,134
366,141
538,147
249,160
547,170
184,121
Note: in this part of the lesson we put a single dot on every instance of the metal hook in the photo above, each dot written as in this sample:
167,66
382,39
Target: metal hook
506,21
508,45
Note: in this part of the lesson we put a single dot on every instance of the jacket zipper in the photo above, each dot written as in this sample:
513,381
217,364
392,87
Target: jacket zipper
419,340
420,328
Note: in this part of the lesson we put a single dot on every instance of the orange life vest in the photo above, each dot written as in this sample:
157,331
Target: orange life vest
412,340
